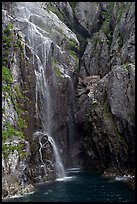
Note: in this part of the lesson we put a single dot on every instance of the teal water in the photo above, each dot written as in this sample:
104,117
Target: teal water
80,186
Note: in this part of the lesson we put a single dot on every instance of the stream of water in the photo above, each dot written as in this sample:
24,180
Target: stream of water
79,186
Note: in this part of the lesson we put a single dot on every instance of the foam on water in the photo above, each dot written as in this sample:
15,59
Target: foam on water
74,169
66,178
123,178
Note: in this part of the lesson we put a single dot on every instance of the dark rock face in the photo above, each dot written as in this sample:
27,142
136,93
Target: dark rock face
112,35
41,162
108,110
95,60
87,14
45,74
109,115
4,193
13,177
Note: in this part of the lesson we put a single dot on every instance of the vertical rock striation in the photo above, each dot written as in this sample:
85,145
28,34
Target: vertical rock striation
109,121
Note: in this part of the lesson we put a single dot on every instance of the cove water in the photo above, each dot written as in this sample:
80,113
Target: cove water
79,186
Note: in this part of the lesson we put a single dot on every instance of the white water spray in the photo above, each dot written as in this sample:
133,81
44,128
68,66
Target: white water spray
60,172
40,47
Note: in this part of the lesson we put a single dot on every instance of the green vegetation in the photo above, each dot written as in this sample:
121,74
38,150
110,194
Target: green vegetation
10,130
73,53
100,119
120,8
73,45
6,75
10,147
55,68
102,112
8,28
108,18
57,71
73,48
125,66
107,15
54,9
18,44
73,5
10,43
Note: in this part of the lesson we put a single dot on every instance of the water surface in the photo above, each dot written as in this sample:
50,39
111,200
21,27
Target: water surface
80,186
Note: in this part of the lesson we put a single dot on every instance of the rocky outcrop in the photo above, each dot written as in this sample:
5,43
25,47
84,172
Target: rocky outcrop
87,14
108,117
44,71
108,113
112,35
41,162
13,177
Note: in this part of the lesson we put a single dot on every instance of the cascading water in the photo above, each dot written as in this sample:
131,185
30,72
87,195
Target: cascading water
60,172
40,46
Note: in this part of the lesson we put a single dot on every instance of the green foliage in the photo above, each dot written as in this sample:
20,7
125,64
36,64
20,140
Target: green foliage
12,94
18,93
107,15
57,71
7,40
110,7
10,41
50,7
73,48
8,28
10,148
6,88
53,8
73,53
10,130
120,8
21,56
55,68
73,5
125,66
102,110
6,75
21,123
18,44
12,60
4,60
73,45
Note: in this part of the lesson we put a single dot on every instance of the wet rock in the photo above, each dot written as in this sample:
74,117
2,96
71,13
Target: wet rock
113,41
106,121
16,189
95,60
123,174
110,113
122,49
87,14
42,159
4,193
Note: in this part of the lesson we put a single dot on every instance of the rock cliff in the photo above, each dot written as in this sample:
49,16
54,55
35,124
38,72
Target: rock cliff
68,71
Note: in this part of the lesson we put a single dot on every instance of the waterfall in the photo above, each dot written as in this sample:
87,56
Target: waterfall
60,172
40,46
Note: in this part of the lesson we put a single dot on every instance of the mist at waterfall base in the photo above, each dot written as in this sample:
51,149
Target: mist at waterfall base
79,186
